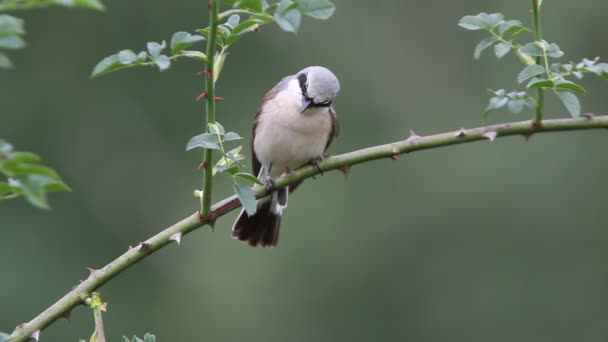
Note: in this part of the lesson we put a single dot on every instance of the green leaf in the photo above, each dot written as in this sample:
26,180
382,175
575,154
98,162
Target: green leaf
530,71
501,49
194,55
264,17
233,20
56,186
24,157
163,62
246,26
231,136
509,26
481,21
537,82
518,33
90,4
319,9
5,62
11,42
228,163
10,25
205,140
16,168
216,128
149,338
218,65
497,102
532,49
571,103
155,48
256,5
249,25
249,177
553,50
569,85
484,44
181,40
5,147
287,17
108,64
247,198
5,189
127,57
33,191
516,106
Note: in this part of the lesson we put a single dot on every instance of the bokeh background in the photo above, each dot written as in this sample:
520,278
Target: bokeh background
502,241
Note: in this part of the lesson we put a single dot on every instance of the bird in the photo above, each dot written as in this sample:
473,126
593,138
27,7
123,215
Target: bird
294,126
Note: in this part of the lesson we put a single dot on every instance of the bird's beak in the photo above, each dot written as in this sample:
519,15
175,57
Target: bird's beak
305,104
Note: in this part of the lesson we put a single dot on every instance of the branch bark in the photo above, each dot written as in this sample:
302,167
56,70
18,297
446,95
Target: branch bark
343,162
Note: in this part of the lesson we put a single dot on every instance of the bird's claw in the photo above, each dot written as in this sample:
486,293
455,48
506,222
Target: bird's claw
315,162
269,183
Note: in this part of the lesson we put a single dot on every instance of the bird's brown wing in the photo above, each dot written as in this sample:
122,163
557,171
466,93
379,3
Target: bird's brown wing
335,127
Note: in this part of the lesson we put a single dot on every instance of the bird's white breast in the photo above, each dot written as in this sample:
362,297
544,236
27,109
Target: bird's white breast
287,138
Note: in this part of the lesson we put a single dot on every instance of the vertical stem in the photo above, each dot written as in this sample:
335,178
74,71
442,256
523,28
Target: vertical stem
209,105
538,37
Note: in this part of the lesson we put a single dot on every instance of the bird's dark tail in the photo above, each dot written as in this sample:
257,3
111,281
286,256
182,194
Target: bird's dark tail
262,228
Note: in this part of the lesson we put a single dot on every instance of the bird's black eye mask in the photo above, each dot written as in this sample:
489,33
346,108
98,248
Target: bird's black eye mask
303,80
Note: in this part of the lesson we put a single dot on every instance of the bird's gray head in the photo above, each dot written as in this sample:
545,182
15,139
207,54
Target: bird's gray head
319,87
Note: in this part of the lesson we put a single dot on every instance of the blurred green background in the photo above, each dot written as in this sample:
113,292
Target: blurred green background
502,241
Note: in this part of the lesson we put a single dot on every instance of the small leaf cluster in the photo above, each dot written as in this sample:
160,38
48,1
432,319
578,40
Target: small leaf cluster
153,56
229,163
147,338
12,28
538,73
245,16
27,177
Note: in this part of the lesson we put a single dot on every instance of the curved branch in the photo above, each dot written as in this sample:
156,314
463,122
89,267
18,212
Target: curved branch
343,162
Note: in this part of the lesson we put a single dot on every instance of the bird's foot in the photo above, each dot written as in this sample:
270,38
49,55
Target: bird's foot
315,161
269,183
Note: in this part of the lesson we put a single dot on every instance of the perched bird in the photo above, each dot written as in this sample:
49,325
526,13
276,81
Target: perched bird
294,126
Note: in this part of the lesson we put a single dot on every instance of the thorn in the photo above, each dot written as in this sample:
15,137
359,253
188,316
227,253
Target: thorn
209,6
36,335
256,28
588,116
412,138
490,135
67,314
345,170
203,95
204,73
395,153
144,246
528,136
91,271
461,133
177,237
202,165
210,219
218,98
